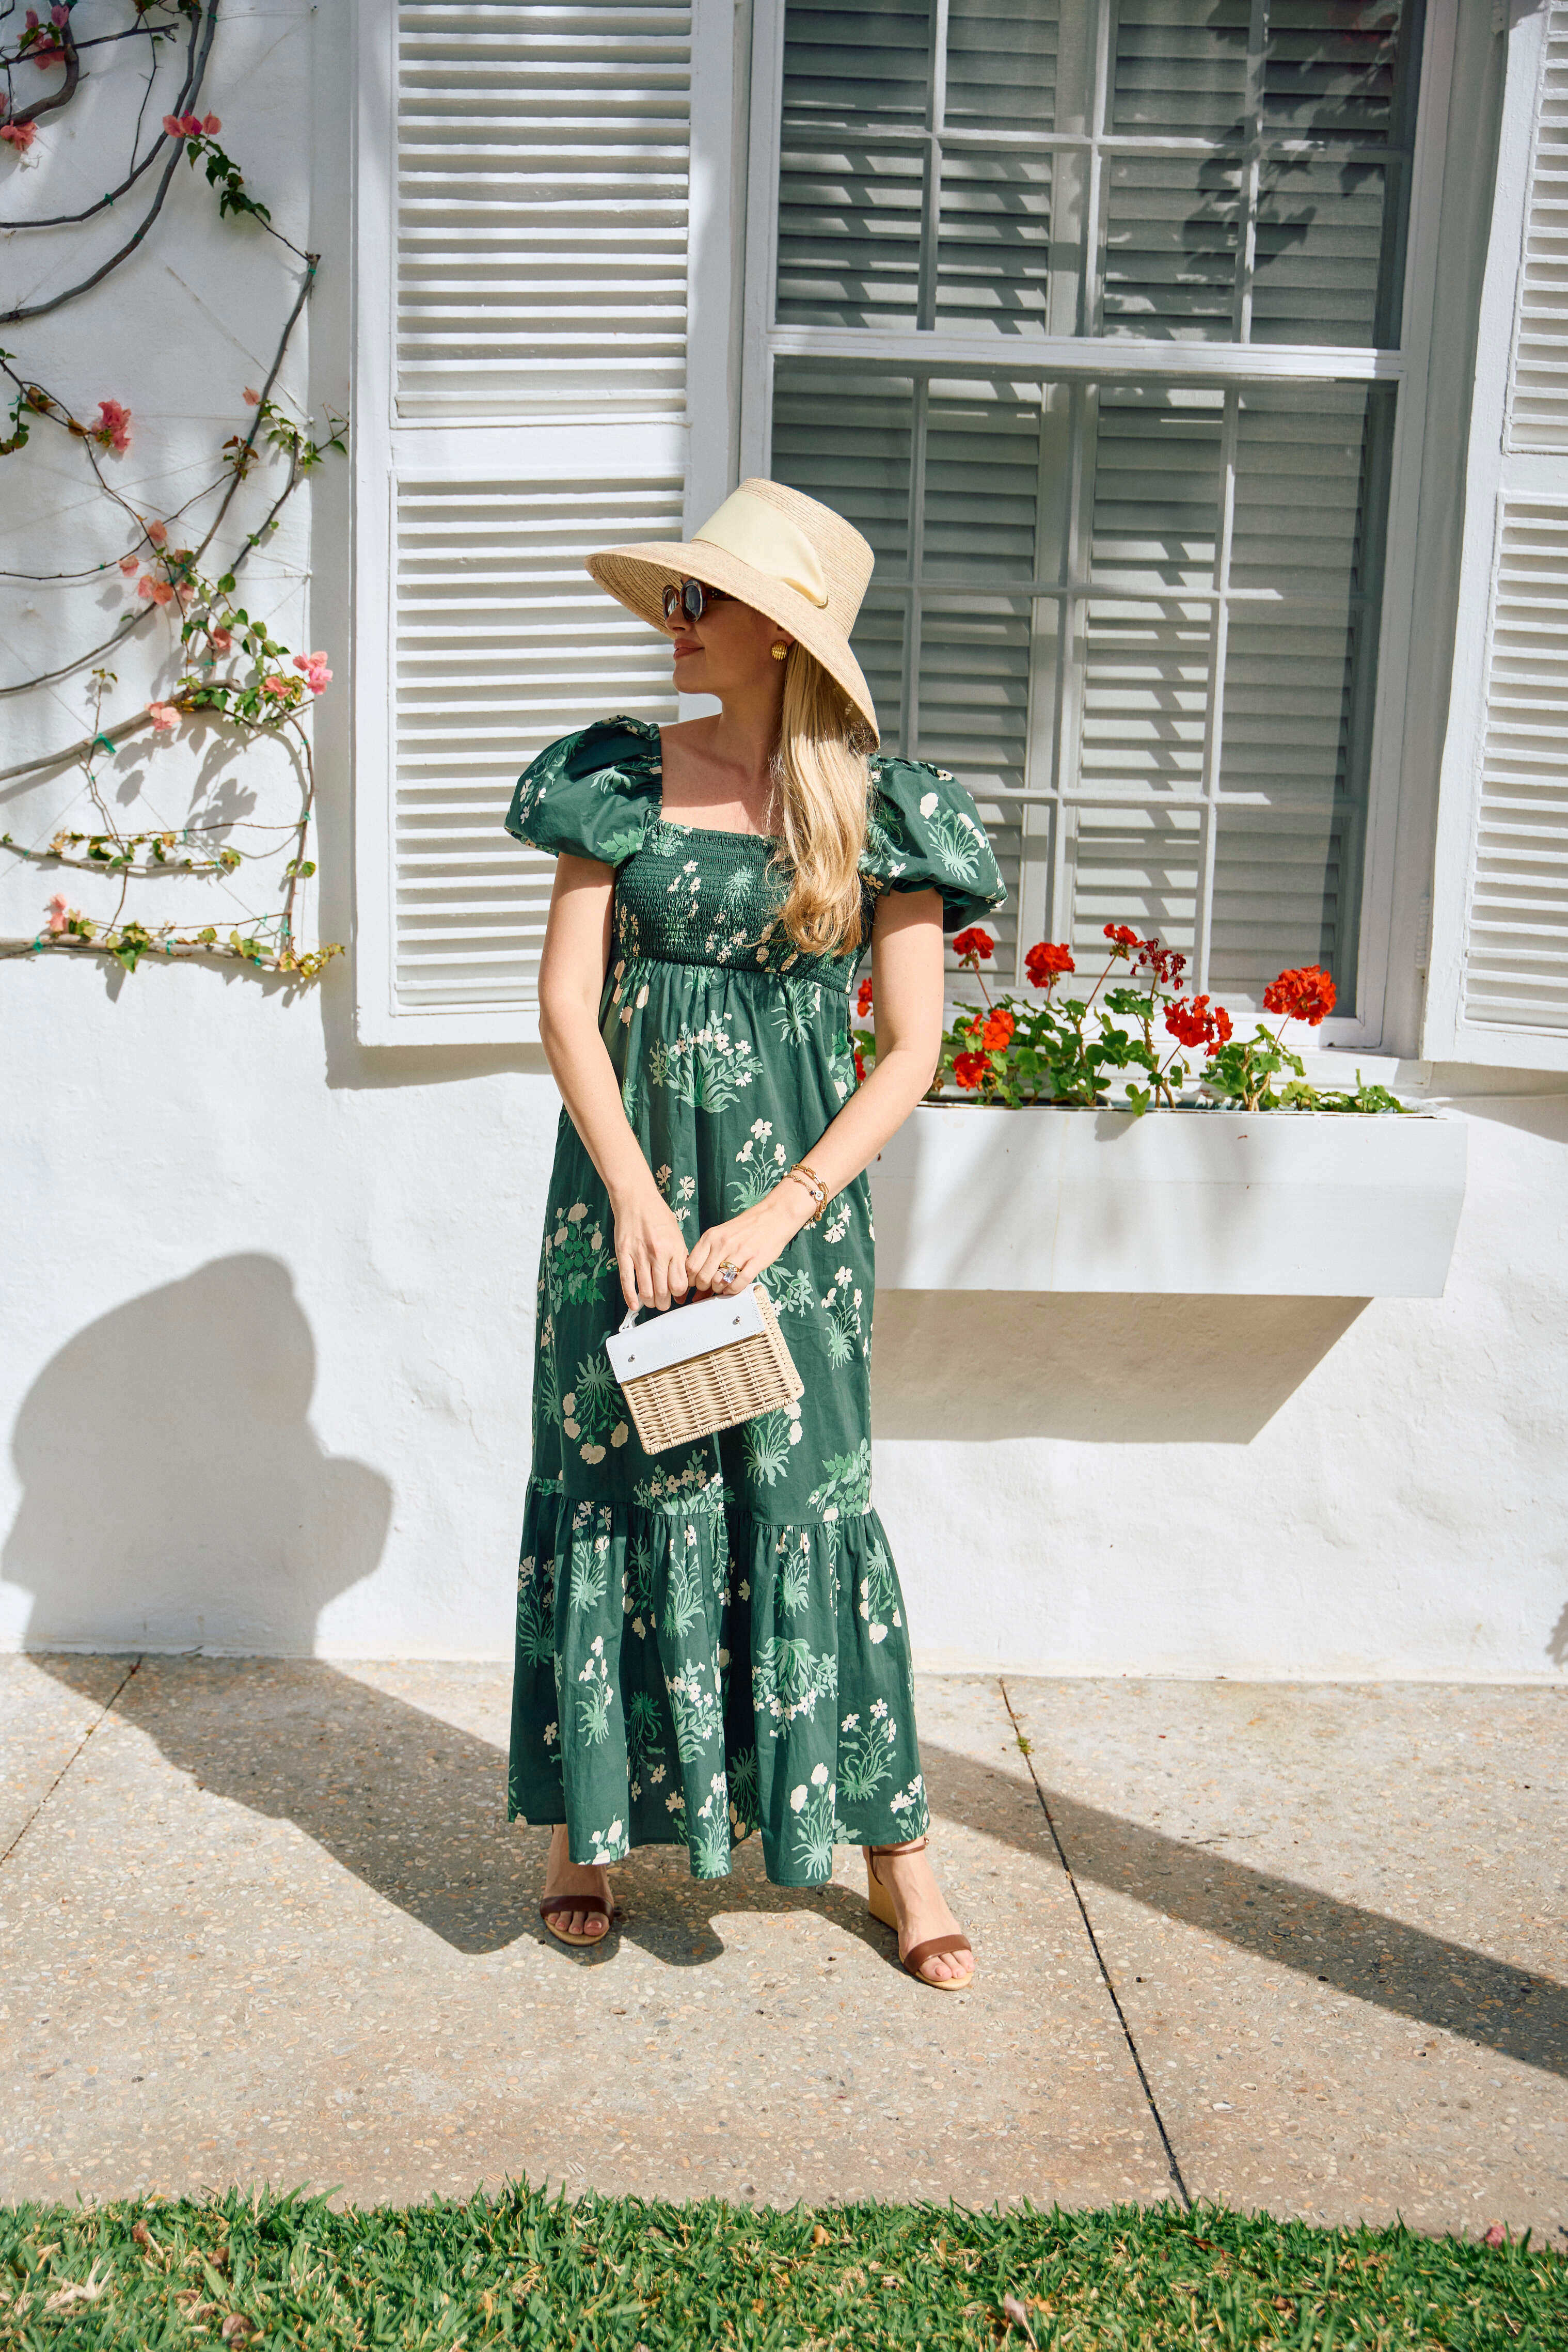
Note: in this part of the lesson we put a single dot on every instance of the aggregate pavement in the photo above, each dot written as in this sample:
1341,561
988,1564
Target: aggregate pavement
265,1921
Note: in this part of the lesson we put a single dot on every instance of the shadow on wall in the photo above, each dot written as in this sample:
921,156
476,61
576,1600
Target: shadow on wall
1097,1367
171,1480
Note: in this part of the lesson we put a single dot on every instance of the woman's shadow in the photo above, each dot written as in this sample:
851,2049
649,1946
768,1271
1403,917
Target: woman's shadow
174,1495
177,1499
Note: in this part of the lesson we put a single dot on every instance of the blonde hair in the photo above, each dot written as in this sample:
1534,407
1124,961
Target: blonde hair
822,781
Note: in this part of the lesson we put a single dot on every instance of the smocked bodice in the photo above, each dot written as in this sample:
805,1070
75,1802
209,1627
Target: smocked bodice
691,895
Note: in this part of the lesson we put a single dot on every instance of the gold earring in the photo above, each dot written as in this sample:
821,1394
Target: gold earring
780,652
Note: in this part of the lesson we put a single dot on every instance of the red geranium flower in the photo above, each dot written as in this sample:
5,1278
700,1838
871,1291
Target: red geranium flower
998,1030
970,1069
859,1068
974,942
1043,962
1123,938
1194,1021
862,1001
1305,995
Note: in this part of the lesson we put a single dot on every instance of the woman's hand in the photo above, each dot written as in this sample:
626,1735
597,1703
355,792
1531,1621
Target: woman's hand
751,1240
650,1251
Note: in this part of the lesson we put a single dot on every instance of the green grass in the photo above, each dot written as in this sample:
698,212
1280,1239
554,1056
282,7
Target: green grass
269,2269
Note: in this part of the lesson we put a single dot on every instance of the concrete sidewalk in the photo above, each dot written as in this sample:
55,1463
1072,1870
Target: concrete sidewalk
1300,1948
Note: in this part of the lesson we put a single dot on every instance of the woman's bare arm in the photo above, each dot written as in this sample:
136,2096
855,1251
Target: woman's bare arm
907,992
650,1248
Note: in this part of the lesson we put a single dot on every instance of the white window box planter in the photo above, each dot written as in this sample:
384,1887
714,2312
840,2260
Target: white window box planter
1323,1203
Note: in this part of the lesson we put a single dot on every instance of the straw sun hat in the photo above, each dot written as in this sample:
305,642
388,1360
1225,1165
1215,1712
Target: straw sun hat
774,549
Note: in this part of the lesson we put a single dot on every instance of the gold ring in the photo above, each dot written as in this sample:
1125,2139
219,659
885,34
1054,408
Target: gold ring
727,1272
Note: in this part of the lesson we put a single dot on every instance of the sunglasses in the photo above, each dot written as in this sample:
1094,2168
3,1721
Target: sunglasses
691,598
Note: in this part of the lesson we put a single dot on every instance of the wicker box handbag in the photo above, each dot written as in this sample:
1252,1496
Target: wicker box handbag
703,1368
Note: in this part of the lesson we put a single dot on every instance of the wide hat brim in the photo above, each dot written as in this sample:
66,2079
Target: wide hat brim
638,576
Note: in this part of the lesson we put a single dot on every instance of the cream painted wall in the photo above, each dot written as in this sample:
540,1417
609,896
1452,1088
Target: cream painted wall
268,1298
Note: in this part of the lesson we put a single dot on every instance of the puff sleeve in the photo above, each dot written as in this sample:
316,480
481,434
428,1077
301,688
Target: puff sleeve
592,794
924,835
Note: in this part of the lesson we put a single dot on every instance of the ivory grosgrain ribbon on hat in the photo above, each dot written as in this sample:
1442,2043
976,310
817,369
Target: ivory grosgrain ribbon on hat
772,548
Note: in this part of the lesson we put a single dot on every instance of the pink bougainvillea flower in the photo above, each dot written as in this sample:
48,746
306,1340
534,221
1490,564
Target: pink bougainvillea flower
211,125
157,592
220,640
112,430
187,126
163,716
315,672
44,50
59,915
173,125
130,565
19,135
158,533
252,397
278,685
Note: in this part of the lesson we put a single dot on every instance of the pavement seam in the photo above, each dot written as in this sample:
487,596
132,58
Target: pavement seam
1106,1978
107,1708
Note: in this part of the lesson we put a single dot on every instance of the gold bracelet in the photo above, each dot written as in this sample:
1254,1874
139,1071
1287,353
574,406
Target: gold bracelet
802,1174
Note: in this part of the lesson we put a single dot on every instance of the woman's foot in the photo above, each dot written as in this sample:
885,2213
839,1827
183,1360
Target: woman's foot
564,1876
922,1912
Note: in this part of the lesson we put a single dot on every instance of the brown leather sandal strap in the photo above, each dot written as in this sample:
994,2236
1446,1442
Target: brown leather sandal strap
588,1904
915,1845
932,1947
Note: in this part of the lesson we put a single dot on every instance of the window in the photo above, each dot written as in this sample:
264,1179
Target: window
1094,318
1105,319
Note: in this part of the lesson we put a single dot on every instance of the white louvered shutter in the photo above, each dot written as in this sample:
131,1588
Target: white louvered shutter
524,274
1498,982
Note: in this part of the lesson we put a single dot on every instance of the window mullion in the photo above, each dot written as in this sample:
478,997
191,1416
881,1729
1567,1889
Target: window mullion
931,218
1084,403
1214,716
1246,240
1047,639
1095,203
917,528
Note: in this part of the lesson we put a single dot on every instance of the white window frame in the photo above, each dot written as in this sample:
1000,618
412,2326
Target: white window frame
697,447
1085,358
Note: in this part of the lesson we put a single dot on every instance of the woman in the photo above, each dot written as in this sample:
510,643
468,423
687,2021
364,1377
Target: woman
711,1640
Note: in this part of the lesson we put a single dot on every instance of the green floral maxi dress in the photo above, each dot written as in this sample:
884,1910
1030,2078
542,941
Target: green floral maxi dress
711,1640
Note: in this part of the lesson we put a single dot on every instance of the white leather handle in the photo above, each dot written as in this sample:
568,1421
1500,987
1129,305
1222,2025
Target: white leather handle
682,1333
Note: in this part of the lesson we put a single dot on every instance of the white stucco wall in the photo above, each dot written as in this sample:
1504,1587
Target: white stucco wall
268,1298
